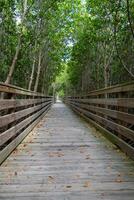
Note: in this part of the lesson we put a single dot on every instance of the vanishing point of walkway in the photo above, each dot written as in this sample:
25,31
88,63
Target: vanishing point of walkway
64,158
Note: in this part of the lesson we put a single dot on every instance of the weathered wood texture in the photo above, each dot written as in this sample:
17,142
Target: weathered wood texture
64,158
19,113
111,110
11,89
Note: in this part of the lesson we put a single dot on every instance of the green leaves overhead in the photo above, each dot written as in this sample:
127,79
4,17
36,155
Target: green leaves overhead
92,40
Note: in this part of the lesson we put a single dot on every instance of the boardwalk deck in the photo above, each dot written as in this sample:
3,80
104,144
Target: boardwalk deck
64,158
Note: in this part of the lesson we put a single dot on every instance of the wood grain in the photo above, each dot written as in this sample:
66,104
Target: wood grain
66,158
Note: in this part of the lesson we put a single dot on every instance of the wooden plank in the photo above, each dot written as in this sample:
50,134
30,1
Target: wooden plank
15,103
126,87
60,187
112,125
7,88
9,148
119,102
129,118
15,87
7,119
113,138
48,165
70,195
8,134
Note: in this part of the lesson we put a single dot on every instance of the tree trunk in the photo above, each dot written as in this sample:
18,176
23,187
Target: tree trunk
32,74
106,75
12,67
38,73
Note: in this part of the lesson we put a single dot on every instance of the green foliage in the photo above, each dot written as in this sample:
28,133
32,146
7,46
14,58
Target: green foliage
84,45
95,61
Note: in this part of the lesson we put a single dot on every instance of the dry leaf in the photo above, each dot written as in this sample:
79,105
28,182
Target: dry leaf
87,157
60,154
119,174
15,173
87,184
68,186
50,179
119,181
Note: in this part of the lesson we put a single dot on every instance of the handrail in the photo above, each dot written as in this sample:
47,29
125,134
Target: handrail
7,88
113,113
125,87
20,111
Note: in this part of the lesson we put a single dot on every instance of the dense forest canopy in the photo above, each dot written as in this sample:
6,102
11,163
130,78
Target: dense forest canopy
76,45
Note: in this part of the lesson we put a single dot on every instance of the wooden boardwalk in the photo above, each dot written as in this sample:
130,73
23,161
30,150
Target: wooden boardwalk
64,158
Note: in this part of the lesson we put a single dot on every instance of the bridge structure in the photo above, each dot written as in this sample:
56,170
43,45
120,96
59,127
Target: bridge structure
78,149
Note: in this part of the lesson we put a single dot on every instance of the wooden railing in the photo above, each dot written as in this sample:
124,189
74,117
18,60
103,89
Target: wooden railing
111,110
20,111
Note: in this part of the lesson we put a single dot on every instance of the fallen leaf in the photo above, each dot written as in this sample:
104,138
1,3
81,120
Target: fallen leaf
15,173
119,174
60,154
68,186
50,179
87,157
87,184
119,181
